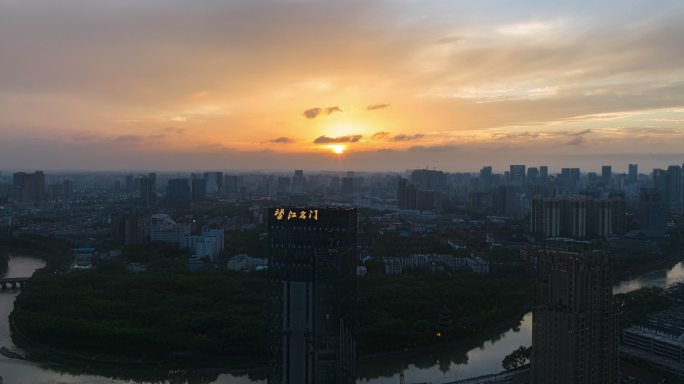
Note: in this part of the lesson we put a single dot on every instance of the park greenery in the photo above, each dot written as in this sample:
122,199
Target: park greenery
517,358
55,252
170,314
158,314
401,311
636,306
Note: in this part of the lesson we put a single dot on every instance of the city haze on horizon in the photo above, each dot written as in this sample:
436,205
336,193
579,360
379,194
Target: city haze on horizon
387,86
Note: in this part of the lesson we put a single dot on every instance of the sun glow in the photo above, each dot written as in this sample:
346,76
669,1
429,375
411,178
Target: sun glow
337,149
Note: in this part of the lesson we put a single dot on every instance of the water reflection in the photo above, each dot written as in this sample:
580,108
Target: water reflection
17,371
466,359
459,361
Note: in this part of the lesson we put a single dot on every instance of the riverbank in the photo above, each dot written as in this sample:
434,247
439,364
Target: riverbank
69,361
666,262
465,343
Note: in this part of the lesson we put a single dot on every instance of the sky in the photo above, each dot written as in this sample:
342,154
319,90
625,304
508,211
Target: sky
340,85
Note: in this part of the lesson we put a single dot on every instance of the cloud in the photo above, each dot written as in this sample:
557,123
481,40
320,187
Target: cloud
432,148
530,28
340,139
577,140
128,139
281,140
379,135
403,137
578,137
312,113
374,107
522,135
580,133
331,110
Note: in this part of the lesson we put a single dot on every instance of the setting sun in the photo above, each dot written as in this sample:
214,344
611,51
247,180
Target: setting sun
337,148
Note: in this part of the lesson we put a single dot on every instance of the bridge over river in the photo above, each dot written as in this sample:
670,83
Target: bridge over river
12,282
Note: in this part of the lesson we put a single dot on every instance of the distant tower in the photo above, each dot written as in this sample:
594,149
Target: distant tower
606,174
633,175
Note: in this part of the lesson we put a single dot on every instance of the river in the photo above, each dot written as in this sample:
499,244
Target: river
455,362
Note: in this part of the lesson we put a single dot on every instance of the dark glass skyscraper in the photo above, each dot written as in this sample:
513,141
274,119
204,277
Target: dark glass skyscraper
312,267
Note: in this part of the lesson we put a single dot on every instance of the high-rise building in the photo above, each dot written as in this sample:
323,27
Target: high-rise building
429,180
148,190
130,184
298,181
413,198
574,334
68,189
231,184
347,185
283,185
544,172
199,189
406,194
674,188
312,270
606,174
486,176
652,212
214,181
178,191
633,177
130,228
577,217
517,175
29,188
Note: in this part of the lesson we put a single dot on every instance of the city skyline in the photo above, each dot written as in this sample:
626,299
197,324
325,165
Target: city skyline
386,86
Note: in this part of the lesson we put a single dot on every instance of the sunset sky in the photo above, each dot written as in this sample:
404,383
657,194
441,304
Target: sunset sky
340,85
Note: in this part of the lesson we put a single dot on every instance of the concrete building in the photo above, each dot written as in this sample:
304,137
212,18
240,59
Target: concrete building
208,244
246,263
429,180
517,175
199,188
653,213
606,175
148,190
178,191
435,263
574,338
163,228
577,217
659,340
29,188
214,182
633,175
130,228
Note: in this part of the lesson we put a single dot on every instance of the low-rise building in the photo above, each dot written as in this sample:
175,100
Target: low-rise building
209,244
434,263
164,229
246,263
659,340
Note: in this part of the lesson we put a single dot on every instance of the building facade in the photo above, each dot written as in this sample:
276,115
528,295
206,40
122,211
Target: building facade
574,334
312,269
577,217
